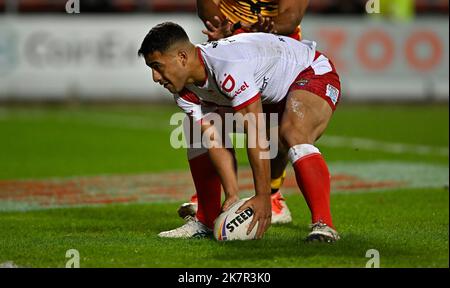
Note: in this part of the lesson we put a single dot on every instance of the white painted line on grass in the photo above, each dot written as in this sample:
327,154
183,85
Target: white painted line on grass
8,264
376,145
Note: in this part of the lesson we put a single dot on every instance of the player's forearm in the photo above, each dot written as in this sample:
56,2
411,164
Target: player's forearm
207,10
223,161
261,171
285,24
290,14
256,142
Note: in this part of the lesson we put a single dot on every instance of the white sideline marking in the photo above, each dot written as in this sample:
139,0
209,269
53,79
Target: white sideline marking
375,145
8,264
414,174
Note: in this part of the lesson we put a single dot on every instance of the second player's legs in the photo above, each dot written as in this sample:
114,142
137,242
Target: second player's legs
279,163
280,210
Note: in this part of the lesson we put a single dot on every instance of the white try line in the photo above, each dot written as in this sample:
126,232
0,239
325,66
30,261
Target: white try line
375,145
8,264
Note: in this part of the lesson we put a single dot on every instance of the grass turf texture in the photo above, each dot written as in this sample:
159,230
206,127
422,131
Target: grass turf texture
407,232
408,227
46,142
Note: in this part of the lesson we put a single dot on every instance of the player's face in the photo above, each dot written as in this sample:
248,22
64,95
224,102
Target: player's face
167,70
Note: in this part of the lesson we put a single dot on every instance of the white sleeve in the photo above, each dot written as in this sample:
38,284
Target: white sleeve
236,81
192,106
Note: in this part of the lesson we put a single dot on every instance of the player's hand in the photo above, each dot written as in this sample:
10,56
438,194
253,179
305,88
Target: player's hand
264,24
219,29
229,200
262,209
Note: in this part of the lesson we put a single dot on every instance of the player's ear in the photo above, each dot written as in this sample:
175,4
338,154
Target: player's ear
183,57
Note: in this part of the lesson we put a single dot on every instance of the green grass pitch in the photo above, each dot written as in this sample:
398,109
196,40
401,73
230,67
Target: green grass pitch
398,203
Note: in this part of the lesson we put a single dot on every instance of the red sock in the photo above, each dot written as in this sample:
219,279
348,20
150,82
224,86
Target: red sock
208,187
313,179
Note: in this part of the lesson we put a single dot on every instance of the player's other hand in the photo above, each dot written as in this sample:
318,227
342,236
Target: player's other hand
229,200
264,24
262,210
219,29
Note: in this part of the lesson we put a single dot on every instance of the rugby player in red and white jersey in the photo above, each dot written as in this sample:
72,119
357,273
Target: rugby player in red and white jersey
224,18
245,73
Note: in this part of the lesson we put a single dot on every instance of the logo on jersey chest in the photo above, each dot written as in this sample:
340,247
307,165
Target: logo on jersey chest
229,84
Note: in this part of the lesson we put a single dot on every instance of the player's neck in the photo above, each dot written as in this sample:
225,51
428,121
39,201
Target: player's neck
199,74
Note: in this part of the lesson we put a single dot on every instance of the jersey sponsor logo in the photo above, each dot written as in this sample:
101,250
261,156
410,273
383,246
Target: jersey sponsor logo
228,84
241,89
333,93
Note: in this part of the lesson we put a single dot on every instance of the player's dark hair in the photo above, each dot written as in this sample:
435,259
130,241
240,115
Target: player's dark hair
162,37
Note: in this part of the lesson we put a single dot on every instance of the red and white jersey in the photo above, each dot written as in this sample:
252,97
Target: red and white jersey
244,68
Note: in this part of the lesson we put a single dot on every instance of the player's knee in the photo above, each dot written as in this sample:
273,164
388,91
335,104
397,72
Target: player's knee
298,140
292,135
292,139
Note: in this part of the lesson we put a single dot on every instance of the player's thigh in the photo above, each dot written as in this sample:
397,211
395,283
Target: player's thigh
305,118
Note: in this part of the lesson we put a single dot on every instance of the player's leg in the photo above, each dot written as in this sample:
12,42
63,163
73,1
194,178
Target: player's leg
208,187
305,118
280,210
205,205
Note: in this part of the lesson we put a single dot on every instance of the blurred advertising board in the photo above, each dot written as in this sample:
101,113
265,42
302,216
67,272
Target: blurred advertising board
95,57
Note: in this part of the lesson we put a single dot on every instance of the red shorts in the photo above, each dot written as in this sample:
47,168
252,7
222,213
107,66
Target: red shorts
321,79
